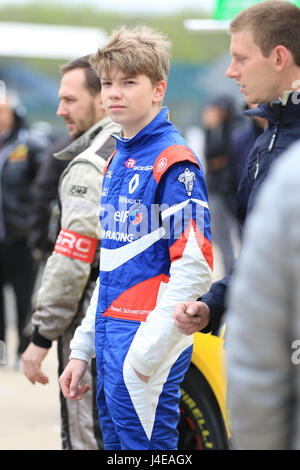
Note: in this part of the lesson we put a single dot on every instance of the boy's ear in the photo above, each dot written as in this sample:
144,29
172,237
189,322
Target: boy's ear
159,91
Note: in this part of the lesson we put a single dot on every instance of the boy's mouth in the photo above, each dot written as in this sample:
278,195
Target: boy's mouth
116,106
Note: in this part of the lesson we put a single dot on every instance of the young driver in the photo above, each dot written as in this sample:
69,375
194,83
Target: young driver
156,251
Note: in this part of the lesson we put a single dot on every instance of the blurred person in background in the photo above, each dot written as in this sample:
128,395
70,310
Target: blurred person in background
45,210
263,318
21,155
243,140
265,40
219,120
72,269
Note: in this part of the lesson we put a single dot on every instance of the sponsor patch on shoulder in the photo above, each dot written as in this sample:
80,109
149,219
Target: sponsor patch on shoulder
78,191
161,165
188,179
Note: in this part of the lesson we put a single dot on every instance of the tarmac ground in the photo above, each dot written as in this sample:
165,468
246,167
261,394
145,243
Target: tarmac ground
30,414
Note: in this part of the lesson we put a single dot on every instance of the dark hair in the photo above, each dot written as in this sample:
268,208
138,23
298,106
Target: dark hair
92,81
272,23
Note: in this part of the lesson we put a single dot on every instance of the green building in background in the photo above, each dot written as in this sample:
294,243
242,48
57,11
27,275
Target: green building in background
228,9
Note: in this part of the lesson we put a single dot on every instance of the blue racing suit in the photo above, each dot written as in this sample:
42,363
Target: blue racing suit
156,251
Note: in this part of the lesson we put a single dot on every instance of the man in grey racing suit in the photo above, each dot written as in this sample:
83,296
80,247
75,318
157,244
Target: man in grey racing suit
72,269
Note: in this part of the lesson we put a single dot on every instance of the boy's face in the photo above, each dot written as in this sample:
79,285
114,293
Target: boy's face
131,102
254,72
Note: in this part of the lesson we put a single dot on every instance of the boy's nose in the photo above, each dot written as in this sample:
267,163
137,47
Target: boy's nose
115,92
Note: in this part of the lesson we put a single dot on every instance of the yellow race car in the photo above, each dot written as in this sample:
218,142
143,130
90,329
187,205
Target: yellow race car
204,422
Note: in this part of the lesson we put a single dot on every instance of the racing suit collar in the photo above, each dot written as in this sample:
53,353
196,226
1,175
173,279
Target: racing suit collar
82,142
152,131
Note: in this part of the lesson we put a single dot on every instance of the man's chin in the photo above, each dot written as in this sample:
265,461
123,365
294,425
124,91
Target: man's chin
250,100
74,134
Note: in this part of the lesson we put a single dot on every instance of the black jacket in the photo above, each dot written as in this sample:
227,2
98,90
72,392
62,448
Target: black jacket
45,196
223,180
282,130
20,157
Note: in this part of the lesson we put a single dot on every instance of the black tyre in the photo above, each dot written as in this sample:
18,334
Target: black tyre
201,425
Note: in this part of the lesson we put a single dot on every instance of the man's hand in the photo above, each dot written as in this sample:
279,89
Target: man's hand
144,378
32,359
70,380
190,317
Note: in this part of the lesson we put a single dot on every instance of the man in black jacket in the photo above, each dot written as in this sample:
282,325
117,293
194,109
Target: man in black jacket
20,157
265,49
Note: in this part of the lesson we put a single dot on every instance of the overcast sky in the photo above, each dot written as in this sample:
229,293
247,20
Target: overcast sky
147,6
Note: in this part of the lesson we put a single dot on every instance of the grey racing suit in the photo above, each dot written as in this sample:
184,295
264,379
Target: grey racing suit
71,271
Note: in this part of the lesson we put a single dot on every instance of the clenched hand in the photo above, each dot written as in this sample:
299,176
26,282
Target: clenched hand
190,317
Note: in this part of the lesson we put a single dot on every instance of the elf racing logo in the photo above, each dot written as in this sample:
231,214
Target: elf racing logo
135,217
118,236
121,216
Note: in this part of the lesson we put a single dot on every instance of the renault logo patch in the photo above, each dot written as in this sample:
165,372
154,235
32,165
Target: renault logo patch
187,178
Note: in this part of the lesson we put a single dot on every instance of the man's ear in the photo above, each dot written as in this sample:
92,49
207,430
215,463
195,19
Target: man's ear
98,102
159,91
282,56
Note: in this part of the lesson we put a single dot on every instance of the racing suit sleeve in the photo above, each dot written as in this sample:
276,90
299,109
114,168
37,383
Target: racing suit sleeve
83,343
65,277
188,239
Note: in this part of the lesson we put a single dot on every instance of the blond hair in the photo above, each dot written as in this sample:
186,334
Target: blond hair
140,50
272,23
